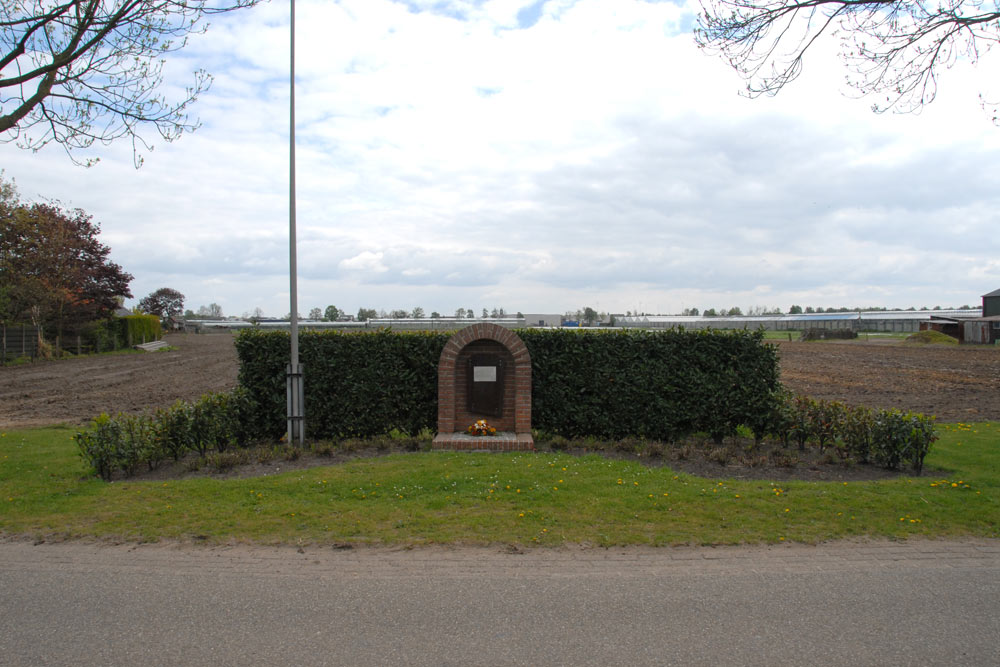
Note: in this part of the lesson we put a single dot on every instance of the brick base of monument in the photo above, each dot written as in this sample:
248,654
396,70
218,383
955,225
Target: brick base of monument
504,441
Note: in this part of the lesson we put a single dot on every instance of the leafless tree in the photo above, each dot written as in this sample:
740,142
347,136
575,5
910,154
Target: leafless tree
78,71
893,48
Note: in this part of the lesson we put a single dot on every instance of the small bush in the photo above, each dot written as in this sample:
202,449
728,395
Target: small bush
97,445
902,437
931,337
858,430
119,443
174,429
720,455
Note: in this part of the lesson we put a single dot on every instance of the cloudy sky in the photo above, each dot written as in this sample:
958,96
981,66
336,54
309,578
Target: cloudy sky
538,156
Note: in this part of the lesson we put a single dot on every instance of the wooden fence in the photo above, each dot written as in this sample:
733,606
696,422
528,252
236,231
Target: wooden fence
18,340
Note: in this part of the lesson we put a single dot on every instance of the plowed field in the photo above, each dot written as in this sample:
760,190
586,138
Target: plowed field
954,383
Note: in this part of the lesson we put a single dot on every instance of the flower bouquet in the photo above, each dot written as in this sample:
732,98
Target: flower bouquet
481,427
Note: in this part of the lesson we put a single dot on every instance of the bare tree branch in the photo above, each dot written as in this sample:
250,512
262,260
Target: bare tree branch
891,47
82,71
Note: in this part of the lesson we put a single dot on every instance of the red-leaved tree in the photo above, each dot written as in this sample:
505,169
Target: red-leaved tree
53,268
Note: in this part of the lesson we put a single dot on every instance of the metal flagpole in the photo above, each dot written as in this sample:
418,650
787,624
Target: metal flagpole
296,396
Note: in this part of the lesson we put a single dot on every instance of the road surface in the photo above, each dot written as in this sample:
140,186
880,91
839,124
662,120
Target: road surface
846,603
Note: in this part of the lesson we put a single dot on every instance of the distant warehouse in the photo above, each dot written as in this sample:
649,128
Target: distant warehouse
890,321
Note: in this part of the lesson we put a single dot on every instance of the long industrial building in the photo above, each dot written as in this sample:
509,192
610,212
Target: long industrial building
894,321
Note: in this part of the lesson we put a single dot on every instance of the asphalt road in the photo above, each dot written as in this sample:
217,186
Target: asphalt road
856,603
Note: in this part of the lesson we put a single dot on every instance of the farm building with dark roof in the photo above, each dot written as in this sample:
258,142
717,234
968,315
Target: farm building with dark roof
991,304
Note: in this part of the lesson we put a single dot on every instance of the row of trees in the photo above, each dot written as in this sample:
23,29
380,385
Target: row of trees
54,272
167,302
334,314
330,314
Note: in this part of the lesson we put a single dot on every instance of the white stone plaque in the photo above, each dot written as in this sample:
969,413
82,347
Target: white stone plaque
484,373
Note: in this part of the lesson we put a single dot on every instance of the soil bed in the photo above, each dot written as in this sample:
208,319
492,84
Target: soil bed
700,458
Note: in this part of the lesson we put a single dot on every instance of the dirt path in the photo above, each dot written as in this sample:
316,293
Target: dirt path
954,383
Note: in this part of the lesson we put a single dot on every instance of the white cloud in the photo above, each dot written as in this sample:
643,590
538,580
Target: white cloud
447,158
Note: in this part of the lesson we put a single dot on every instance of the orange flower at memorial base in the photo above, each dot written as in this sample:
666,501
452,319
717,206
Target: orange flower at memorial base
481,427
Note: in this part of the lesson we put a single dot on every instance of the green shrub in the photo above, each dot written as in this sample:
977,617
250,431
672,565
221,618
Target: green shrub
781,418
215,423
929,336
858,433
105,335
922,435
98,445
801,428
119,443
174,429
902,437
826,420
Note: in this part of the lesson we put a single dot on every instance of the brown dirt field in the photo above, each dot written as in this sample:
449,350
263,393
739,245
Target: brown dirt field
76,390
956,383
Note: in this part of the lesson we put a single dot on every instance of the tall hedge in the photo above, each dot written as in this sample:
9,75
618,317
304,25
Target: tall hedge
141,329
356,384
662,384
657,384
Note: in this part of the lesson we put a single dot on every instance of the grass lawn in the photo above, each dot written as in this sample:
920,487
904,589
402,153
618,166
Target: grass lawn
539,498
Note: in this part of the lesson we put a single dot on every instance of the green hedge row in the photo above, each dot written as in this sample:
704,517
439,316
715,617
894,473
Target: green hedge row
122,443
889,438
663,384
652,384
357,384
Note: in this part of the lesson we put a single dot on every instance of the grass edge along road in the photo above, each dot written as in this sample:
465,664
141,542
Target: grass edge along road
542,498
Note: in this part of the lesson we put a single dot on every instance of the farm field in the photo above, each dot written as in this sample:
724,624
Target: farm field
955,383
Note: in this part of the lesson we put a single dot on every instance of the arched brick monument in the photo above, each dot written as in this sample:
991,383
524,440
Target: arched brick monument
484,372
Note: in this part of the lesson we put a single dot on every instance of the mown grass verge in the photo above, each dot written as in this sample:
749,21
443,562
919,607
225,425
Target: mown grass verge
544,498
